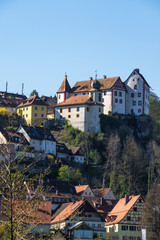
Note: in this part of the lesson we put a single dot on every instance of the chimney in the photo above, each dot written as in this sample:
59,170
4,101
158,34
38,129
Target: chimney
90,78
104,76
126,199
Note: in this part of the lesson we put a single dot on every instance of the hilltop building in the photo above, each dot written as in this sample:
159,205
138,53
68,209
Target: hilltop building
33,110
83,104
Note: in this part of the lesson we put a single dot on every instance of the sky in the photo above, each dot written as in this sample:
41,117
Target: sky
41,40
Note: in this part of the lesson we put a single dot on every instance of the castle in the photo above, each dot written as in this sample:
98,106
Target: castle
82,104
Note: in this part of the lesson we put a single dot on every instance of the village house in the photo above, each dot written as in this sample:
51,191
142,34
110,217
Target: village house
124,221
33,110
10,101
80,213
84,191
76,155
40,138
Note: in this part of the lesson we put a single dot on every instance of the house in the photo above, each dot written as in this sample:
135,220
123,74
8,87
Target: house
105,193
33,110
84,191
138,93
63,152
87,220
40,138
81,111
76,155
10,101
123,222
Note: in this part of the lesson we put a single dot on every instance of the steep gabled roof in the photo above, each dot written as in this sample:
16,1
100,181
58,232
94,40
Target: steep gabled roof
81,188
65,87
137,71
120,210
85,86
75,150
68,211
75,100
34,100
101,192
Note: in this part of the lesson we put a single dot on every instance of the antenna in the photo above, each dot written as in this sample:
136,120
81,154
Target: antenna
95,74
6,86
22,88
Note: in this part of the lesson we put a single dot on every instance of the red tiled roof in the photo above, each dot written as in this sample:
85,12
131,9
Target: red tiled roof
101,192
120,210
67,212
65,87
34,100
81,188
75,100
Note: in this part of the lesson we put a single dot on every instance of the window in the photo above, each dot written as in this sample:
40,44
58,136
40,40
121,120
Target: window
120,100
139,103
69,116
77,115
132,94
120,94
60,117
84,94
134,103
132,228
99,109
115,93
124,228
139,110
135,209
104,93
93,225
139,94
61,110
87,109
100,97
23,109
35,108
26,108
77,109
128,218
99,225
59,96
26,115
42,115
116,100
42,108
140,200
135,87
35,114
69,109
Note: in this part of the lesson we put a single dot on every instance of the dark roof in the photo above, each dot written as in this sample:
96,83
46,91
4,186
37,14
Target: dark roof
62,148
34,100
60,187
39,133
101,192
12,95
14,137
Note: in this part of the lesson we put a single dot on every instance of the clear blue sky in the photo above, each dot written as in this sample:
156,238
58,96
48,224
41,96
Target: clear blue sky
40,40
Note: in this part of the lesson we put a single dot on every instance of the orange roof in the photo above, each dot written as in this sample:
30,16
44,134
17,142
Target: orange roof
34,100
81,188
120,210
75,100
85,86
67,212
101,192
65,87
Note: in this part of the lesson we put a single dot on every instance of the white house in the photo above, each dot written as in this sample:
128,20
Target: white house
138,93
40,138
82,111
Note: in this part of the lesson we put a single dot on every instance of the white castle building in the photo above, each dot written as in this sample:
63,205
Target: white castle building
82,104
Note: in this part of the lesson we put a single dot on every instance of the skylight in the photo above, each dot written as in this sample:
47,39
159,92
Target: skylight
75,206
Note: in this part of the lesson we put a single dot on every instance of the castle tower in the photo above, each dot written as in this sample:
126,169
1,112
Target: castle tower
64,91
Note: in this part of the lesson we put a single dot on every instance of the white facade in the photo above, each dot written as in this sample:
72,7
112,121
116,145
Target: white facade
77,158
138,93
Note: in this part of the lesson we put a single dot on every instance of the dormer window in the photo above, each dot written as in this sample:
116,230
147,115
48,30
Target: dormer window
135,87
